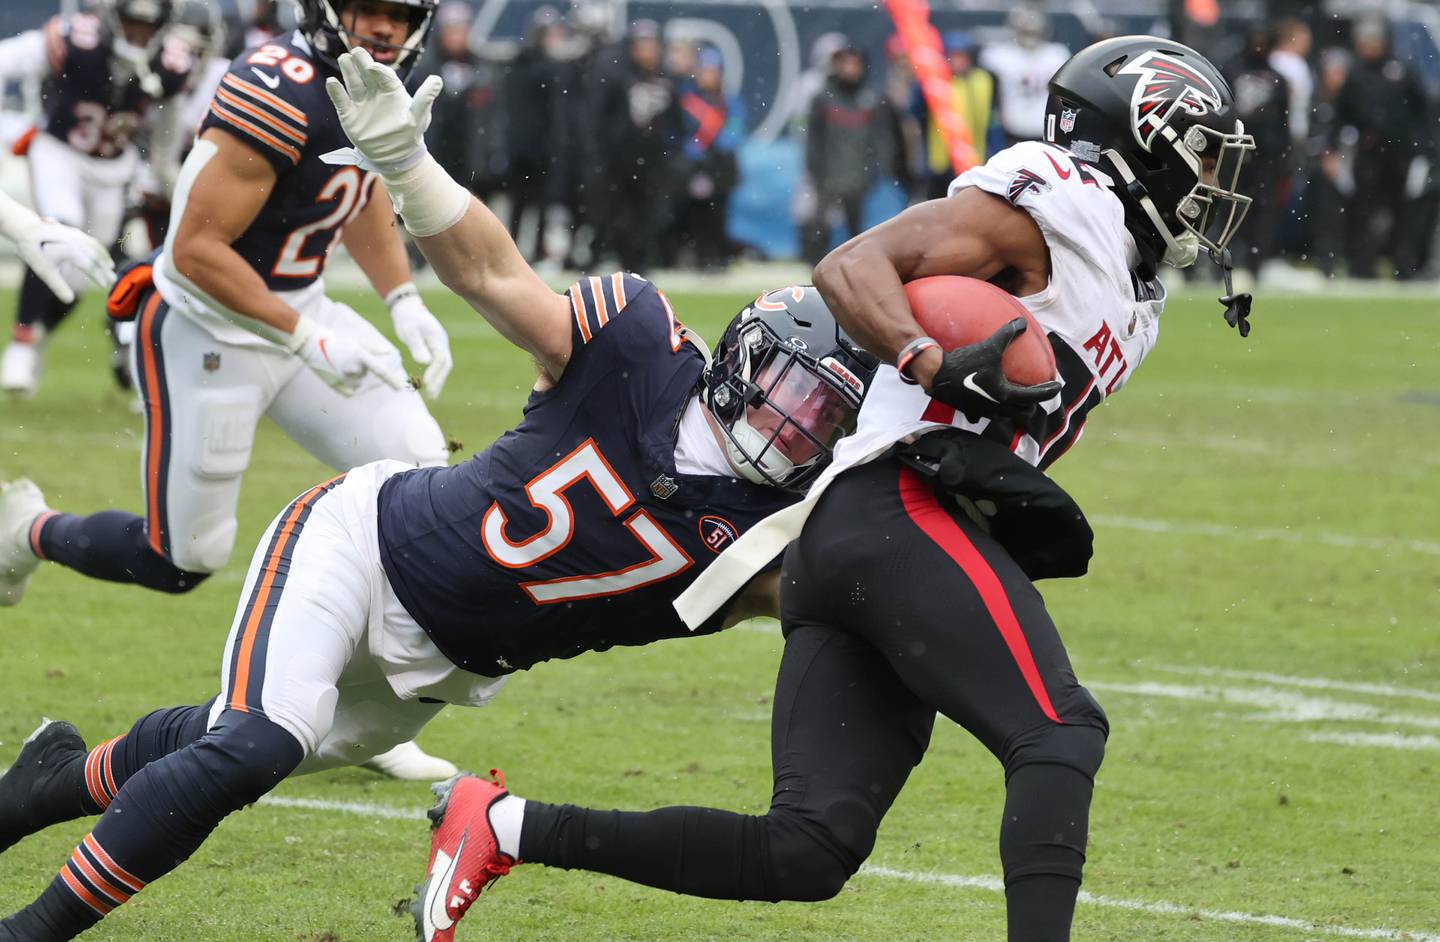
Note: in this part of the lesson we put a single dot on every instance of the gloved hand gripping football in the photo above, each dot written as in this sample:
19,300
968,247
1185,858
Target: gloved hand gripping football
971,379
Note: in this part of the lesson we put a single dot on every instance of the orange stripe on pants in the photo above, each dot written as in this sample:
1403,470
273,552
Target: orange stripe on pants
257,609
155,415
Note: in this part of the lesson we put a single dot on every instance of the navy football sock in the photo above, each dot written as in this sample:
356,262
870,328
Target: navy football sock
111,545
38,304
111,764
158,819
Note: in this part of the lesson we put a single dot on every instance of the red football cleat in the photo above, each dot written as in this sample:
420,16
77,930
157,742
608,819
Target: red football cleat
465,856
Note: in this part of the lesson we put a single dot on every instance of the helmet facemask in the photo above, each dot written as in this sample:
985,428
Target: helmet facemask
780,409
1209,213
331,23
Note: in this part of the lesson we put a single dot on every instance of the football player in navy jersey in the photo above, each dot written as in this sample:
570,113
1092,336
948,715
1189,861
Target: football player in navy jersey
101,72
382,595
233,323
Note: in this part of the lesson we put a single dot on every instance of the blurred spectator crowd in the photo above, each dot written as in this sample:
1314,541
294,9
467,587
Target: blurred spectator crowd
626,147
603,142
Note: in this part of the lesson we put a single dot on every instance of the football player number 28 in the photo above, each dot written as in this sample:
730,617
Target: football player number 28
547,492
344,188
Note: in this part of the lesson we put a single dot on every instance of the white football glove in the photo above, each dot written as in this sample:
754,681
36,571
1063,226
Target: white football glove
384,123
342,359
418,330
47,247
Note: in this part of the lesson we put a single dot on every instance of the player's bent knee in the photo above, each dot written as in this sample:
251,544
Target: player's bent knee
1072,746
205,551
246,756
812,858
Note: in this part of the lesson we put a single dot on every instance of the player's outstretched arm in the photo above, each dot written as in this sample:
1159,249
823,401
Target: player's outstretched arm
971,233
469,249
46,246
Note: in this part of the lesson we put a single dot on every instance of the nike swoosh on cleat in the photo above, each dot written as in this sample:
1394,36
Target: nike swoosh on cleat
272,80
437,914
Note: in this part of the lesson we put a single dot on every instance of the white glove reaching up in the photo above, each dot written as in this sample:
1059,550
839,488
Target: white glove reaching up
418,330
342,360
47,246
384,123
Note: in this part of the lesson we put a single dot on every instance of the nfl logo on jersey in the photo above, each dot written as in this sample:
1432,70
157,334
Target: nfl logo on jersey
1067,120
211,362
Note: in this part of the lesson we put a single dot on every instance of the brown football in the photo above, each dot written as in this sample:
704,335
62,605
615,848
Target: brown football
957,311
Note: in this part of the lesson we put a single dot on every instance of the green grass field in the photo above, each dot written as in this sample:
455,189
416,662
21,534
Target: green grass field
1260,622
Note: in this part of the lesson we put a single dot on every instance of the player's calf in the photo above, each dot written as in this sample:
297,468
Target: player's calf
55,778
157,820
1050,779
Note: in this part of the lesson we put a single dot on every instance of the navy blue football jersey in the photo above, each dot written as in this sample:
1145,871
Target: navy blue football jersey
92,101
273,99
574,531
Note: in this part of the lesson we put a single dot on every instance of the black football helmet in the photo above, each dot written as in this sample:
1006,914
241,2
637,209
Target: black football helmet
1157,116
785,384
198,23
321,24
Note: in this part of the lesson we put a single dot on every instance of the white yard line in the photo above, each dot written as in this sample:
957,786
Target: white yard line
1319,683
348,807
1322,538
1278,706
1379,740
988,884
994,884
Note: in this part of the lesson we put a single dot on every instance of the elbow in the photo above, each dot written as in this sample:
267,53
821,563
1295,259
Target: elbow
466,282
836,270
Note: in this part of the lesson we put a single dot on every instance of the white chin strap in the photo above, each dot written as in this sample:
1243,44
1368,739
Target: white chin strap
748,439
1180,251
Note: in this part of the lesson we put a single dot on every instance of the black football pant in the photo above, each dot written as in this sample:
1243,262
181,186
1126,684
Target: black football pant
895,607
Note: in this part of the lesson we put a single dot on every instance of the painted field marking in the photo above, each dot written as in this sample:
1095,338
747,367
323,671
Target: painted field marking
1195,528
1379,740
1318,683
988,884
1279,706
994,884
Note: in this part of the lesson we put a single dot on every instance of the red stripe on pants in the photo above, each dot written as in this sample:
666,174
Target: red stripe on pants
925,511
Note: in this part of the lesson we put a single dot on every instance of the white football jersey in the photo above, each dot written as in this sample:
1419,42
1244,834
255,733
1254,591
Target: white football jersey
1102,320
1023,76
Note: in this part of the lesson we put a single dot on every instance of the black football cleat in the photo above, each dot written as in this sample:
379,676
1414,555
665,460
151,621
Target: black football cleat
29,799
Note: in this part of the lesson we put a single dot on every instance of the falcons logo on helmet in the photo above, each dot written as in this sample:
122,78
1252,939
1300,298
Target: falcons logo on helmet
1166,84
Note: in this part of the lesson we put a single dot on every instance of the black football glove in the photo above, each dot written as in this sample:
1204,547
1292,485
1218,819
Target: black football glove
971,380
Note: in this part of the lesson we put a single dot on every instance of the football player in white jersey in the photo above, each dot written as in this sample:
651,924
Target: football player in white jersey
1022,67
1142,155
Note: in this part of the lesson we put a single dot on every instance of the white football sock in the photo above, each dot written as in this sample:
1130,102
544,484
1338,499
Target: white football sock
506,817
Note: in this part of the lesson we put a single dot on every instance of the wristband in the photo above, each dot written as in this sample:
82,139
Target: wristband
428,200
400,293
304,328
909,352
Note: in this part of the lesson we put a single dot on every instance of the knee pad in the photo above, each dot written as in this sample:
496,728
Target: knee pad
207,551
